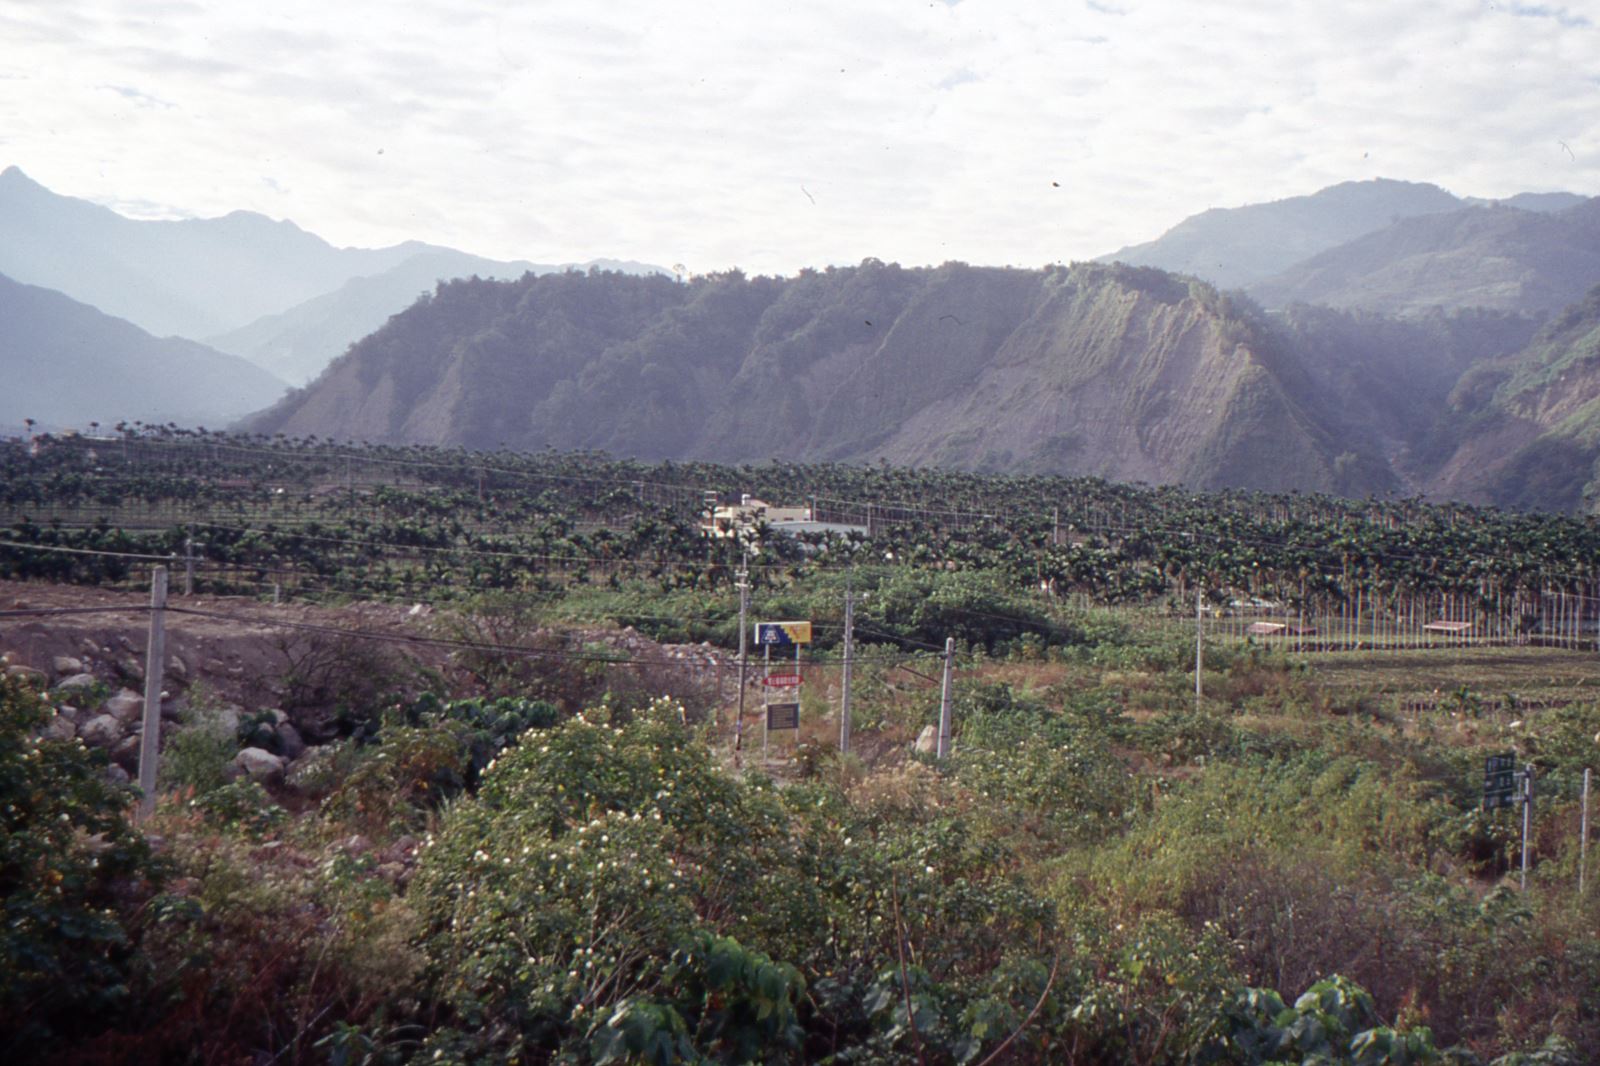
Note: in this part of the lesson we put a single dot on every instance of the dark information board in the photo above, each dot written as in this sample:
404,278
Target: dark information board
783,716
1500,781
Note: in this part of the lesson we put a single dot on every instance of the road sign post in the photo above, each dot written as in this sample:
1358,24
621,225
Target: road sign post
1506,786
780,635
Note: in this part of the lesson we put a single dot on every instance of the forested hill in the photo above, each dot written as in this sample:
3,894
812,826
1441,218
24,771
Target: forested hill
1524,431
1128,373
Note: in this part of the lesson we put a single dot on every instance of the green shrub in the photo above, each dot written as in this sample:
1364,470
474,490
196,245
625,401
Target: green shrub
197,755
65,848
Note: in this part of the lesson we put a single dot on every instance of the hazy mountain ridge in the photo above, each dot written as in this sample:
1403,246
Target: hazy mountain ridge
194,277
1130,373
68,364
1235,246
1498,257
269,291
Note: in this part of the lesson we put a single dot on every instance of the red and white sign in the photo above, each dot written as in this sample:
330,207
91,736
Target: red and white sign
781,680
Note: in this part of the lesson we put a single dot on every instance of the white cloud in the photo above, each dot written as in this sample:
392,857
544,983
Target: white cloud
997,132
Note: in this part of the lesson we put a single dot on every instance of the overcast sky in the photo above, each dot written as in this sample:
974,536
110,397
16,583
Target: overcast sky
774,136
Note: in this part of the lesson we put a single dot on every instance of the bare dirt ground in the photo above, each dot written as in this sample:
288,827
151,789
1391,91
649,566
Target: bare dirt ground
241,651
1530,673
239,658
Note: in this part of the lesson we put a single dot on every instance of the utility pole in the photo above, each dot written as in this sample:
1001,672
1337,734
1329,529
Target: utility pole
844,684
1583,838
743,585
154,674
1199,643
944,699
188,566
1527,819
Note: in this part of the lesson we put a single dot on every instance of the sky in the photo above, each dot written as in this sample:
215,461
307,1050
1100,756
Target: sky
773,136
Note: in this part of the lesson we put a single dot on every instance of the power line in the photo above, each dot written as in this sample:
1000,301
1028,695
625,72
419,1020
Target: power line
43,612
84,551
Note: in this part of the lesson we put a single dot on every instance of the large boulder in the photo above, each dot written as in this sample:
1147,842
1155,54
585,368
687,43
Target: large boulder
66,665
37,678
60,727
125,706
102,731
289,741
79,682
260,765
928,740
126,753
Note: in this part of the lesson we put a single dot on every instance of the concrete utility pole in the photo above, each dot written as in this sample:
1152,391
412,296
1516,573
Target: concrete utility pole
743,586
1583,838
188,566
154,674
944,699
1527,819
844,683
1199,642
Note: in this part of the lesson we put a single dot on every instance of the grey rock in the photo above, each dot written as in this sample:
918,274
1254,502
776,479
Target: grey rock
177,670
76,682
170,711
125,706
102,731
228,716
28,674
260,764
289,741
117,775
60,727
928,740
131,668
66,665
126,753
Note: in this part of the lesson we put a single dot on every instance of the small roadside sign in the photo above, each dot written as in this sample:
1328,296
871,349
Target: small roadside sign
781,680
783,716
782,634
1500,781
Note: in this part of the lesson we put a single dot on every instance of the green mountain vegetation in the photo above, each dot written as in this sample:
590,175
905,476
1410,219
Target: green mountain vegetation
1127,373
1494,257
299,342
1524,430
436,808
68,364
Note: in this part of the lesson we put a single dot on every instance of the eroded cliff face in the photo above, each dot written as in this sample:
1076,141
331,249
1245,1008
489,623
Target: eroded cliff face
1524,430
1129,373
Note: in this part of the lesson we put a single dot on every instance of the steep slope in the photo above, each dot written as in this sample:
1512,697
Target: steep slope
1496,257
298,343
1524,430
1129,373
1387,380
1233,247
66,364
